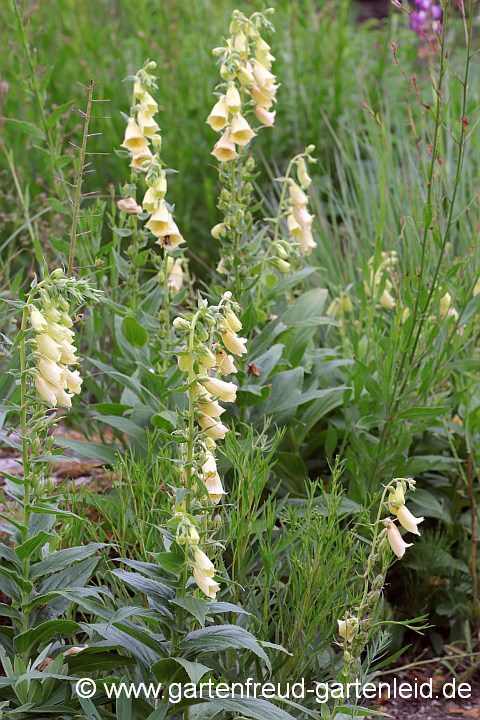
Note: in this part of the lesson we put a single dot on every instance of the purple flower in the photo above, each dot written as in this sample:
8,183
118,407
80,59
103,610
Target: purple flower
436,12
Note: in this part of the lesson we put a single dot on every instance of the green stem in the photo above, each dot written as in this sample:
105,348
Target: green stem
78,188
166,310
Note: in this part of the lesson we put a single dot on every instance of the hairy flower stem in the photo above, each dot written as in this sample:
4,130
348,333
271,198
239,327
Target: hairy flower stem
79,179
412,342
166,311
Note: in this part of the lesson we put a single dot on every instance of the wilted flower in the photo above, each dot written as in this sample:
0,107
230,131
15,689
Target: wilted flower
129,205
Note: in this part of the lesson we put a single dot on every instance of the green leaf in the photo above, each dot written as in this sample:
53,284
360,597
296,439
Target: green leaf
252,707
94,451
26,549
140,643
8,611
58,207
63,558
44,633
134,333
60,110
198,608
160,713
170,561
124,425
26,127
419,413
151,588
307,310
354,710
90,660
121,232
220,637
291,281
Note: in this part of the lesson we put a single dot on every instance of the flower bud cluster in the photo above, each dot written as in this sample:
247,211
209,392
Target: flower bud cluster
379,278
246,69
54,352
142,129
299,220
203,568
396,504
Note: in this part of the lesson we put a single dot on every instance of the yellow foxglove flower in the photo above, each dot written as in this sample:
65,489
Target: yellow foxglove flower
264,97
303,177
386,300
63,398
396,541
233,100
206,584
39,324
134,140
221,267
193,536
146,123
214,487
218,118
150,200
66,320
203,563
51,372
48,347
233,343
232,320
240,131
138,90
159,221
262,53
52,314
175,279
129,205
264,116
347,629
445,303
213,428
298,197
67,354
73,380
224,149
226,391
207,357
307,243
142,160
240,44
334,307
224,363
46,391
218,231
294,227
407,520
60,333
303,217
148,104
245,75
170,238
262,75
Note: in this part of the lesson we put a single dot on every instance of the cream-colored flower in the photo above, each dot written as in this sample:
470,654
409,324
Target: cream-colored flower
138,90
303,217
142,160
214,487
218,118
158,223
218,231
224,363
240,131
262,75
134,140
262,53
73,380
407,520
245,75
60,333
129,205
203,563
63,398
347,629
67,354
294,227
232,342
146,123
264,116
148,103
386,300
297,195
445,303
51,372
48,347
213,428
221,267
405,315
175,278
396,541
226,391
46,391
224,149
303,177
206,584
39,324
233,100
476,289
307,243
233,321
170,238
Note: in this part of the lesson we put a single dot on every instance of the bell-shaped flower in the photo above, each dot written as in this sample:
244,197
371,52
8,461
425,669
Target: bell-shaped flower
60,333
148,104
63,398
170,238
232,342
206,584
233,100
134,140
263,97
159,221
240,131
175,278
224,363
226,391
39,324
224,149
51,372
407,520
302,174
142,160
396,541
445,303
203,563
214,487
46,391
298,197
218,118
245,74
262,75
129,205
386,300
73,380
67,354
347,629
146,123
306,241
213,428
264,116
48,347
